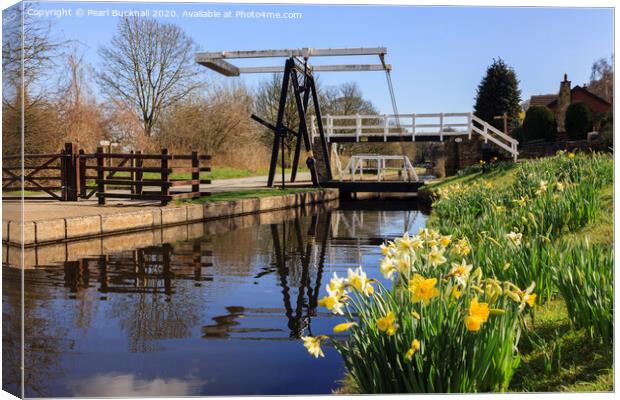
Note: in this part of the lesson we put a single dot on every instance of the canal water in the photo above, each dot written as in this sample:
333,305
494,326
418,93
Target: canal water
218,315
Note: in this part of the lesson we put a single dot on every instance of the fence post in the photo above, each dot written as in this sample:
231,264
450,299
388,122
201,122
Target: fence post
100,176
132,173
165,186
71,173
139,164
81,160
63,175
195,174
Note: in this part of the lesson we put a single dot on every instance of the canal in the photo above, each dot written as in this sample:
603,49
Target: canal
220,314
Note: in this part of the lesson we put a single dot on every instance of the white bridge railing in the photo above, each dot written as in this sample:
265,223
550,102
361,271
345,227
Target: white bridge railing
359,128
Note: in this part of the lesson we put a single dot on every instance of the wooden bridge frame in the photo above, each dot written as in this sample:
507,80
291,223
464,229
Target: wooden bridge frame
295,66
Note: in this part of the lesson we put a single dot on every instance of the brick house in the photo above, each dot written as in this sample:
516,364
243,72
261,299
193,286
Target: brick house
558,103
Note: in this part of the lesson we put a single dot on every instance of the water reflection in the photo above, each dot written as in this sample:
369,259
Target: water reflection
194,316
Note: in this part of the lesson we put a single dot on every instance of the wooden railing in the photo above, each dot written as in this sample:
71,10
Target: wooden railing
126,175
409,127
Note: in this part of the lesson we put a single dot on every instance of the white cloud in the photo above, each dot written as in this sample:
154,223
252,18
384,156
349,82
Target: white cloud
127,385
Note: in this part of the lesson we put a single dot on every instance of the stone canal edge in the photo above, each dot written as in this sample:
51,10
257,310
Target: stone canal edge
75,228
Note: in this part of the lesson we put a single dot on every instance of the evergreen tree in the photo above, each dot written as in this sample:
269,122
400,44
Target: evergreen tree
499,93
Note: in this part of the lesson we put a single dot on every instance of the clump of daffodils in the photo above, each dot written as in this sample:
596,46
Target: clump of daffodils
434,287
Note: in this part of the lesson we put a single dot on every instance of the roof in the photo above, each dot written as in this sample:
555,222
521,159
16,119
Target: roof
543,99
586,91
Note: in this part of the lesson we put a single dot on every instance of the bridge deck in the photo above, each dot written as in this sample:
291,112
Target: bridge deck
374,186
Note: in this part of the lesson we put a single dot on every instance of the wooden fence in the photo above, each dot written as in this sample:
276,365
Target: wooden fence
107,175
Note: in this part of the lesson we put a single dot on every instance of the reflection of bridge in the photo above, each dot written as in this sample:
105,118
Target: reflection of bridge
155,306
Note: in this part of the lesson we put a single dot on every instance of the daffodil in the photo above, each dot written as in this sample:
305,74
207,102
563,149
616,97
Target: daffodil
445,240
498,209
387,249
387,268
560,186
403,263
461,271
521,201
530,299
334,303
542,187
423,289
570,156
435,257
336,285
462,247
415,315
515,238
456,291
359,281
345,326
415,346
407,244
477,315
313,344
386,324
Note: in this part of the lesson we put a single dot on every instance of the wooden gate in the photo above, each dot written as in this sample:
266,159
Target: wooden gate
41,176
70,175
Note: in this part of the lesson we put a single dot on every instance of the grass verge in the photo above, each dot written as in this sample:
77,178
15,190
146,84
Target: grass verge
246,194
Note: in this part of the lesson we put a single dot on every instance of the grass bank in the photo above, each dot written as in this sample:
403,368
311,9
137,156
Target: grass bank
246,194
545,225
558,353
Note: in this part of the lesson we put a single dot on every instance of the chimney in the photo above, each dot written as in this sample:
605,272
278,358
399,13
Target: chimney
564,100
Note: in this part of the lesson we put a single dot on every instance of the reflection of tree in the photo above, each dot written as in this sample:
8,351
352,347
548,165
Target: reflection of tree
44,336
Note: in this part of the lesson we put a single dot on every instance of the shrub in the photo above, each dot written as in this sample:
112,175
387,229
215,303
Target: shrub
441,328
518,133
578,121
539,123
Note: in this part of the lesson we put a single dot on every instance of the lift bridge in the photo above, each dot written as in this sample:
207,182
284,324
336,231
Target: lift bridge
322,131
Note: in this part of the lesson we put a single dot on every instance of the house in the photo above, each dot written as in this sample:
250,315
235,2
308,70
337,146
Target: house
558,103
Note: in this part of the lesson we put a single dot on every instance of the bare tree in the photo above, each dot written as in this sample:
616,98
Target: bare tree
149,66
29,55
82,120
602,78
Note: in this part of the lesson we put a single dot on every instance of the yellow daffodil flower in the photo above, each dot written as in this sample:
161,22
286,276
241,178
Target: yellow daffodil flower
530,299
477,315
334,303
345,326
423,289
415,346
445,240
462,247
359,281
313,344
521,201
415,315
386,324
570,156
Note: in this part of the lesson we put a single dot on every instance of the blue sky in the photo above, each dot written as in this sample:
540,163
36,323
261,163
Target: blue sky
438,54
